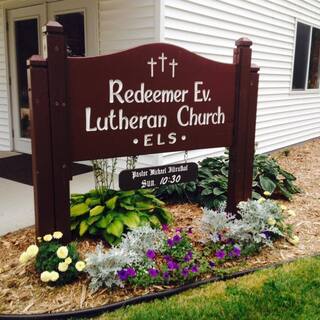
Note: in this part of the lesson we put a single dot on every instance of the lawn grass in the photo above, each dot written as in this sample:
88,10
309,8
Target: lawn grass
288,292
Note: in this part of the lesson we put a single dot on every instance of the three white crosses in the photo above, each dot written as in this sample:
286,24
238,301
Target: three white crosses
173,64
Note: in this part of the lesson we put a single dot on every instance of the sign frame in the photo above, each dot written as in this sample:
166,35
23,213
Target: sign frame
52,141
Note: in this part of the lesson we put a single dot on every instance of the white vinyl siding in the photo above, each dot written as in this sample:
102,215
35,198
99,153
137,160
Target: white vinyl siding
4,112
125,24
210,28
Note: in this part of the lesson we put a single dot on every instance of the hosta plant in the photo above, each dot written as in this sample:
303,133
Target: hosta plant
57,264
111,214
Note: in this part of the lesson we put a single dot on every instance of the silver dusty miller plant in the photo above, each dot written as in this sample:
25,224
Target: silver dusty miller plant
103,266
253,226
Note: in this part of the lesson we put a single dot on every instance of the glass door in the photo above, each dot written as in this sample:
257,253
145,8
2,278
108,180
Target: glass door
79,19
24,41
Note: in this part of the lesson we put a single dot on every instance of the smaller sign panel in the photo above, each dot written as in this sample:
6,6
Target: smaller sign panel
157,176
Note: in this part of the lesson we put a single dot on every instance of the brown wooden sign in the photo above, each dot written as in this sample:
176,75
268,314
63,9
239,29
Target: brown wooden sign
151,99
152,177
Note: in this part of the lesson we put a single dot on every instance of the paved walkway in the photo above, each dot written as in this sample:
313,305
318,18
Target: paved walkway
16,201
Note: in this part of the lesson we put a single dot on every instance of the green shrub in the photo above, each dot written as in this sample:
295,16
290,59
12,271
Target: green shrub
210,190
112,213
57,264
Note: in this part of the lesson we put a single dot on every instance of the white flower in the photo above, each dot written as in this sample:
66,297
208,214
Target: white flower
63,267
62,252
80,265
294,240
57,235
271,221
24,257
54,276
68,260
45,276
291,213
47,237
32,250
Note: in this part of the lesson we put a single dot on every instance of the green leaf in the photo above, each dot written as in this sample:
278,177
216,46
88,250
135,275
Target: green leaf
224,171
91,202
255,195
124,194
155,221
74,225
79,209
115,228
267,184
92,220
109,237
83,228
217,191
105,221
111,203
96,211
131,220
93,230
144,206
127,206
206,192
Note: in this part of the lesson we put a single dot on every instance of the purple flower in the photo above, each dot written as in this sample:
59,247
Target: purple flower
212,264
220,254
188,256
151,254
167,258
194,269
185,272
131,272
166,275
153,273
170,243
165,227
172,265
178,230
190,230
123,275
176,239
236,252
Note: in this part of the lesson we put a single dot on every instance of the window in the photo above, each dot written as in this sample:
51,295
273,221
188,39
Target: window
306,70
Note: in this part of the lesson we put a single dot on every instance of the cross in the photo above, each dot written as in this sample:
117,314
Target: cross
152,63
162,58
173,64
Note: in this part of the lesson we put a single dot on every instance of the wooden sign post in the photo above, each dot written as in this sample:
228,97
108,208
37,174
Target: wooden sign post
151,99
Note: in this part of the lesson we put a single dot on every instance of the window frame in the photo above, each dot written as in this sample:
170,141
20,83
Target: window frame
306,89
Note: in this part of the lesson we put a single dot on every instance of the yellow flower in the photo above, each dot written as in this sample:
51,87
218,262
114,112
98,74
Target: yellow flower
57,235
45,276
54,276
294,240
63,267
47,237
80,265
272,221
68,260
267,193
24,257
32,250
291,213
39,239
62,252
261,200
283,207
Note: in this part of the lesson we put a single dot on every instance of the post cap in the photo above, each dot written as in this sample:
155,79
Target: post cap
36,61
255,68
243,42
52,27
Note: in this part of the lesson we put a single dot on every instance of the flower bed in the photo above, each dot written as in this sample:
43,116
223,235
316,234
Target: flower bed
23,292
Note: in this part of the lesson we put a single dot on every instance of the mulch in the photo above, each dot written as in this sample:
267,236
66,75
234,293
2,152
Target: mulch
21,291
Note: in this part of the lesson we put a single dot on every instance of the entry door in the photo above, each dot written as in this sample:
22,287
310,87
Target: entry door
25,40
